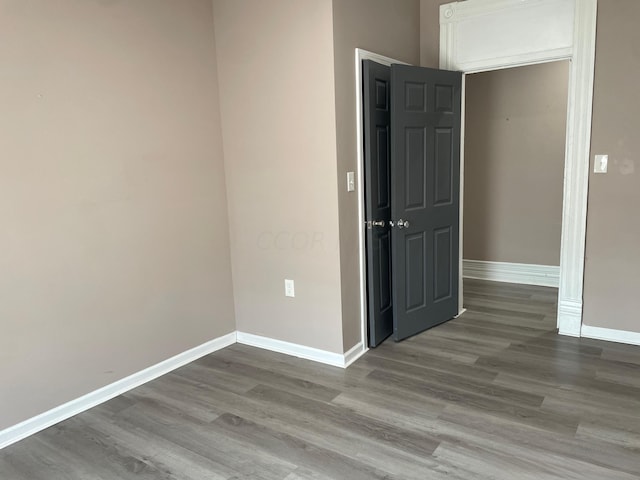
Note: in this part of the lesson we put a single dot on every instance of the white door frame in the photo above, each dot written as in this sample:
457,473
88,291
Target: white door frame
359,57
484,35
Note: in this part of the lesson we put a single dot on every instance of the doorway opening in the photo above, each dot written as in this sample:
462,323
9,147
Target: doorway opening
478,36
514,162
515,156
361,56
412,125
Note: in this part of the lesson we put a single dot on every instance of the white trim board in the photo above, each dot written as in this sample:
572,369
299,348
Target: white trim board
51,417
56,415
301,351
354,353
35,424
524,273
484,35
610,335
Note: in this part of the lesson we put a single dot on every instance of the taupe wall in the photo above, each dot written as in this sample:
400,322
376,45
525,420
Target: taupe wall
276,74
389,28
430,32
515,134
114,242
613,223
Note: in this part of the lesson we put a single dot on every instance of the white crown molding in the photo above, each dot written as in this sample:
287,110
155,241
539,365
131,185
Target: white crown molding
523,273
498,63
457,11
51,417
302,351
611,335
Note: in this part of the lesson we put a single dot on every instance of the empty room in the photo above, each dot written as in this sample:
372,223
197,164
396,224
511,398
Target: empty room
319,239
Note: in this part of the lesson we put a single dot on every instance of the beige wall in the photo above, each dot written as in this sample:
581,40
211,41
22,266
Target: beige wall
279,129
389,28
430,32
114,244
613,223
515,134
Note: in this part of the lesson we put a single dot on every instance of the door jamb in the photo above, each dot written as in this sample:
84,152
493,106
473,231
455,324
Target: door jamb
581,53
361,55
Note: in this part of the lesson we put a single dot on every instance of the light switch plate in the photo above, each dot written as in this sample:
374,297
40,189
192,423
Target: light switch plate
289,288
601,163
351,182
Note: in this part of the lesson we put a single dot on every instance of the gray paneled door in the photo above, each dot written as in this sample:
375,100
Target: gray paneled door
412,191
425,196
377,118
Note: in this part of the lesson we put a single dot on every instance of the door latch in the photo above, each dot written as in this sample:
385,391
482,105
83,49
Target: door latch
375,223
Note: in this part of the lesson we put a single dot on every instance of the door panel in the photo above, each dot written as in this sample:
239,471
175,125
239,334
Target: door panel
442,258
415,268
384,256
415,168
382,165
443,188
377,143
425,191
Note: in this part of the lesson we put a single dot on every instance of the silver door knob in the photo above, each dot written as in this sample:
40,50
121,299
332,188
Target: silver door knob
375,223
402,223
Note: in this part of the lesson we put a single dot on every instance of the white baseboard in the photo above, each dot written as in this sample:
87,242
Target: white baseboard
35,424
462,310
301,351
611,335
354,353
569,317
524,273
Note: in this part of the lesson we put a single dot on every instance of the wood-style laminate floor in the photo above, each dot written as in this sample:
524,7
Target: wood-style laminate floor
494,394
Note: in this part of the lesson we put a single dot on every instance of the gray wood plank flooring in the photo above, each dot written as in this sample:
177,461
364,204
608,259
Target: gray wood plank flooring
494,394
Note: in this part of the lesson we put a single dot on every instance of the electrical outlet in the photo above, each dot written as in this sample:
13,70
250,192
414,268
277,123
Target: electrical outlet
289,289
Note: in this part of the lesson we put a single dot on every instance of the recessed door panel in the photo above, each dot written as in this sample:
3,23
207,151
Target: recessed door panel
382,94
415,280
382,157
444,98
415,98
384,256
443,166
415,167
442,243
